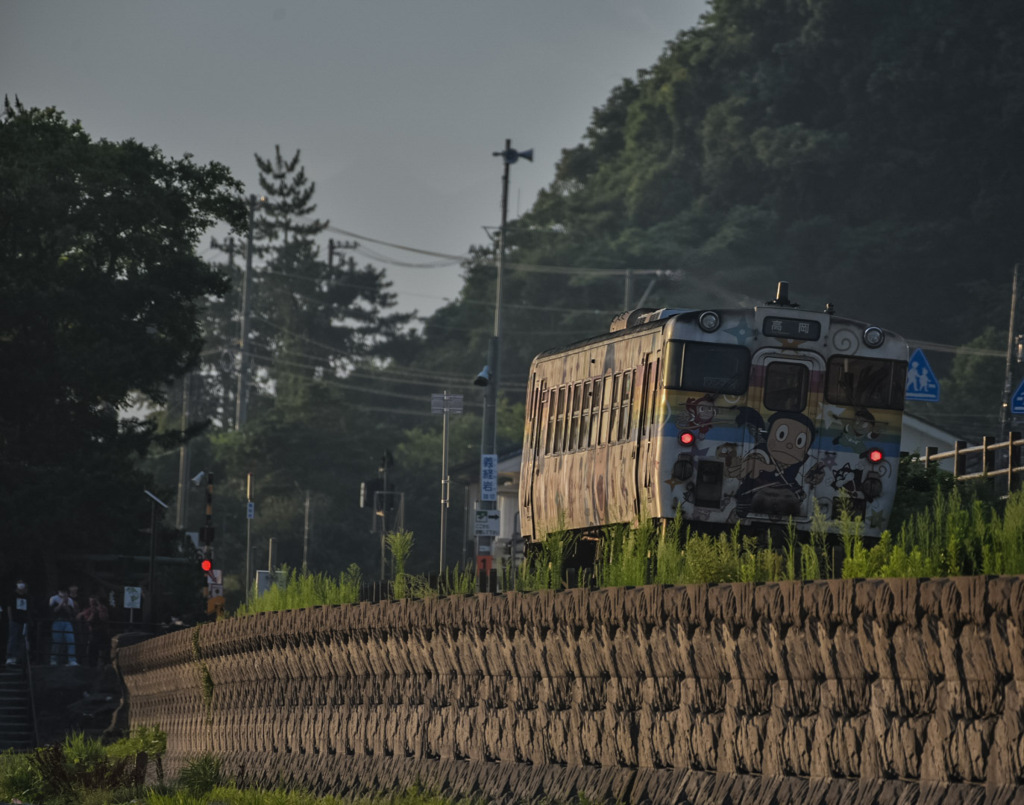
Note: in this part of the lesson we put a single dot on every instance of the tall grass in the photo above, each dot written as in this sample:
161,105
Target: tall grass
544,566
959,534
307,590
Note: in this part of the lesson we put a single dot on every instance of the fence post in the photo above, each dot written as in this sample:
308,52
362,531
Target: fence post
986,446
929,451
1011,460
959,459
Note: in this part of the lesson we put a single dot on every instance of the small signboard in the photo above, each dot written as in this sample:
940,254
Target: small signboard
487,523
265,579
216,590
922,385
133,598
250,510
1017,401
446,403
489,476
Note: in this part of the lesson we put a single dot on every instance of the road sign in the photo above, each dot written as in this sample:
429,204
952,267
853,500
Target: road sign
446,403
250,510
1017,401
489,476
922,385
133,598
487,523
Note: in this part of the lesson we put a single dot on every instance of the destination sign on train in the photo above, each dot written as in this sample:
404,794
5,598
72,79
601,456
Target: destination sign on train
802,329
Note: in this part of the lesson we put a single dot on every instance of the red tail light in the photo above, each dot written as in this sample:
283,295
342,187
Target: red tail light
875,456
686,437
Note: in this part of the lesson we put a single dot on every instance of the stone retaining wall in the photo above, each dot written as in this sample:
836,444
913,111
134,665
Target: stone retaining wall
868,690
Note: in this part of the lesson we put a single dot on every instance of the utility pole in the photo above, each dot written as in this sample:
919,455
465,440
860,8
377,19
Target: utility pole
243,341
491,377
445,404
1004,424
489,441
181,508
305,539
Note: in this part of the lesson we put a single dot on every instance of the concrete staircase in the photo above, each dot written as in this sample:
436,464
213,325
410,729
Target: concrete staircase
16,731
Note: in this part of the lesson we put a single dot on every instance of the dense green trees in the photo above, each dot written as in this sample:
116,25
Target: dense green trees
100,291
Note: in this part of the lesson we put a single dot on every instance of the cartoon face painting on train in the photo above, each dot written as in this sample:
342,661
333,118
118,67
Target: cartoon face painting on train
760,416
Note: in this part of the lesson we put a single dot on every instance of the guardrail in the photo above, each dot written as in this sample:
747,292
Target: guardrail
1001,462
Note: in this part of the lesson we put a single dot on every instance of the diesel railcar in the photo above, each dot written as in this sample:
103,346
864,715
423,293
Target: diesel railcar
759,416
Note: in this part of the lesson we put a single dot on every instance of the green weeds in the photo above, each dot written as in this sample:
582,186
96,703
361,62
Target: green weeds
958,534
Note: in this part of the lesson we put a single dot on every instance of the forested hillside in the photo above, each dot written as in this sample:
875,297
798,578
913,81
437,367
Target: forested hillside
868,152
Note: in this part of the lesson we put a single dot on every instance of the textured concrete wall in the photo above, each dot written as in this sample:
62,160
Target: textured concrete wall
847,691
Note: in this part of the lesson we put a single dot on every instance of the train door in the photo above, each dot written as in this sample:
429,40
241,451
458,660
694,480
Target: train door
647,395
783,460
534,457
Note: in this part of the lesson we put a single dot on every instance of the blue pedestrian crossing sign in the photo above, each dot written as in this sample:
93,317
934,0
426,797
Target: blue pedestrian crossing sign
1017,401
922,385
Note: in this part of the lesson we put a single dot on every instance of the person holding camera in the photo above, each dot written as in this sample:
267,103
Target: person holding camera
64,609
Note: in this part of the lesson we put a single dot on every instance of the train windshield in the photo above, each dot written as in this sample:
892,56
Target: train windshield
717,368
866,382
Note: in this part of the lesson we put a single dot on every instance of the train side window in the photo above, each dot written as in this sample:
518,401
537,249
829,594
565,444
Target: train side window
786,386
540,418
574,422
550,413
556,444
626,404
595,413
613,409
866,382
585,405
611,388
697,366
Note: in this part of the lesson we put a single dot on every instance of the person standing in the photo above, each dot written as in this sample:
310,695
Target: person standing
96,618
63,609
19,616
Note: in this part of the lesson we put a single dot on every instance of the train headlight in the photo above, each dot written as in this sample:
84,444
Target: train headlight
709,321
873,337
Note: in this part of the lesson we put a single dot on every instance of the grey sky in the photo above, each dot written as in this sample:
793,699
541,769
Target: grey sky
397,105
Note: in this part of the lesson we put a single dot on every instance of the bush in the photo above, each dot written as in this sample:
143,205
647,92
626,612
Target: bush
79,770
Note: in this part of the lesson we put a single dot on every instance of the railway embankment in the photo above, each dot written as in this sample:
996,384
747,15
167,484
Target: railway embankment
830,691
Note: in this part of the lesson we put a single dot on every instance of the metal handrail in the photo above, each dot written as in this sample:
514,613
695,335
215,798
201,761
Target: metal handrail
31,691
989,453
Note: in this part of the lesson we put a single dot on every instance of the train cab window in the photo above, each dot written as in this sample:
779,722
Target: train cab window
866,382
786,386
717,368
